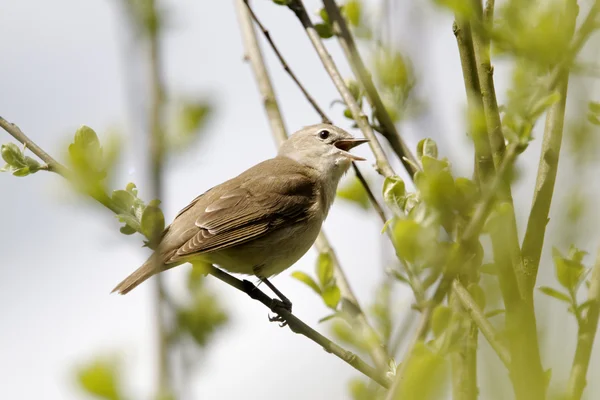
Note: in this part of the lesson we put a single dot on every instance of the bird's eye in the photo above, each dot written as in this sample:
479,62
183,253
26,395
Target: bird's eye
324,134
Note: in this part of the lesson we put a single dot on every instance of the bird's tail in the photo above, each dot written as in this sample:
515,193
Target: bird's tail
138,276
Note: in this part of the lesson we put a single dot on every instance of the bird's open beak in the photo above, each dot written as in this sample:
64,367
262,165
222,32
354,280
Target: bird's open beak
347,144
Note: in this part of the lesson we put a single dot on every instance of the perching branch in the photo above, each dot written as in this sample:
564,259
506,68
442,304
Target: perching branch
585,336
299,327
361,72
349,301
361,120
285,65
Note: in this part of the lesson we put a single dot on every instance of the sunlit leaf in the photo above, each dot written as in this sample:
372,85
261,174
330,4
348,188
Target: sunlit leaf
306,279
555,293
324,269
354,192
331,296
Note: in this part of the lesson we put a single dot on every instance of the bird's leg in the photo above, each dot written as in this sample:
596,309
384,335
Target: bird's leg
283,301
286,303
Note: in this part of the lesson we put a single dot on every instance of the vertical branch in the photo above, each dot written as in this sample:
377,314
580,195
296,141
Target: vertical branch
585,337
349,300
361,120
544,187
156,149
254,55
360,71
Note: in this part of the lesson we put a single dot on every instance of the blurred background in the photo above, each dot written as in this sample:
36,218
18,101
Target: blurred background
67,63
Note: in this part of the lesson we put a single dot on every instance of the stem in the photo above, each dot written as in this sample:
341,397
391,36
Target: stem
17,133
299,327
585,337
254,55
359,117
464,360
544,187
246,15
362,74
156,150
251,46
477,315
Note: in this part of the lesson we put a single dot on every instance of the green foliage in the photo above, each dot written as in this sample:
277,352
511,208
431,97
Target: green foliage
202,316
17,162
100,378
144,16
440,320
569,271
324,30
191,117
325,286
424,374
394,194
355,192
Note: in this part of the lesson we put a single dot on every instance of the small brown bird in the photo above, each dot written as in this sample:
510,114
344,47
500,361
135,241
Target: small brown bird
262,221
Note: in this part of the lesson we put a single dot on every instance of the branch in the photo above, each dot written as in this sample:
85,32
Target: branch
585,337
285,65
254,55
360,71
53,165
544,188
299,327
156,146
479,318
361,120
245,14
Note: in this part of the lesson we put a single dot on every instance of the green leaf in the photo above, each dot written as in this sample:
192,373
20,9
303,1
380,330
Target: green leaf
129,220
493,313
331,296
407,234
127,230
394,194
594,107
308,280
568,272
555,293
324,30
440,320
24,171
153,223
324,269
13,156
282,2
131,188
32,164
427,147
593,119
100,378
328,317
123,199
352,10
392,70
202,317
355,192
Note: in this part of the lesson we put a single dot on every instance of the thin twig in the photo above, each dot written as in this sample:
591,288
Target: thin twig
53,165
370,194
585,336
361,72
479,318
322,244
299,327
361,120
285,65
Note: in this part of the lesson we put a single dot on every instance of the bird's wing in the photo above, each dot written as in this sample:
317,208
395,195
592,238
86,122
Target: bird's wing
233,215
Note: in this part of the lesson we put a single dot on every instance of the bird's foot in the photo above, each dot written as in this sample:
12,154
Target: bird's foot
287,306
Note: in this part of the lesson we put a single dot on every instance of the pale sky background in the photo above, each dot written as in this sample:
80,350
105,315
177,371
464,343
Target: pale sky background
68,62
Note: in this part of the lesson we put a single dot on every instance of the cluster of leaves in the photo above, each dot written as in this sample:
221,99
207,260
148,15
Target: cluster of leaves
351,11
440,200
571,274
17,162
325,285
101,378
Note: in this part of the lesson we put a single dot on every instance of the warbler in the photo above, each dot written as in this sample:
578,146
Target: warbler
262,221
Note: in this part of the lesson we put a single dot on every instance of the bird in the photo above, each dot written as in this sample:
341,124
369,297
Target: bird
265,219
